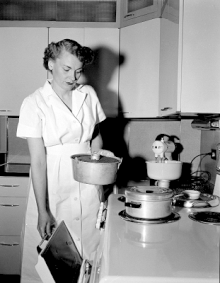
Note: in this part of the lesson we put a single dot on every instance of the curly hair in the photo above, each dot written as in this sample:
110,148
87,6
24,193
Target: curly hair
53,50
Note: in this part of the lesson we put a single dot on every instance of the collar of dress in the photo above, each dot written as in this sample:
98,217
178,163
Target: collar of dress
78,96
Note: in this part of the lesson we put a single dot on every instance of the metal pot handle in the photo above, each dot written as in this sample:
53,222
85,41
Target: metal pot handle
133,204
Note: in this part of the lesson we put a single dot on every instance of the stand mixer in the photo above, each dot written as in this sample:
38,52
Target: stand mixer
163,169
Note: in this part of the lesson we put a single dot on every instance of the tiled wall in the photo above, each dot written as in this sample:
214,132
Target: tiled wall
133,140
143,133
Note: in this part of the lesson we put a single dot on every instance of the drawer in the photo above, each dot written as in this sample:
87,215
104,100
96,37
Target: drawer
14,186
10,255
12,213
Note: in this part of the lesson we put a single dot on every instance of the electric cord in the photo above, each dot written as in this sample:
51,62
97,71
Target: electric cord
201,154
199,179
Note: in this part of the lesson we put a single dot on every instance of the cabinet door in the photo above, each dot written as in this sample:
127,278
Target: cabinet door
139,73
136,11
169,101
10,255
57,34
103,73
190,58
201,57
22,71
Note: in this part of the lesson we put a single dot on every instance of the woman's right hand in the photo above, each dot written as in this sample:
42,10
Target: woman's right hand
46,224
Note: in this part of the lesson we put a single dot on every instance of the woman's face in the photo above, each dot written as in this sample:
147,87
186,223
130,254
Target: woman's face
66,70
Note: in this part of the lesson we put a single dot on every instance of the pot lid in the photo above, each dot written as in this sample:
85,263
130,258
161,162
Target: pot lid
148,193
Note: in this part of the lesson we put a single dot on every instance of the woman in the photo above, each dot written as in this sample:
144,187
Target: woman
58,120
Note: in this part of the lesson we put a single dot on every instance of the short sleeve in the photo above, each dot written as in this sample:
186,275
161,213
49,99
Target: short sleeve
100,113
96,105
29,124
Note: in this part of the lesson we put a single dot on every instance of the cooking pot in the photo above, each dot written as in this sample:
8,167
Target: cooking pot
97,171
150,202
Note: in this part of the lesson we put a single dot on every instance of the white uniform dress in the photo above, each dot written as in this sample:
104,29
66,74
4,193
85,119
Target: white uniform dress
43,114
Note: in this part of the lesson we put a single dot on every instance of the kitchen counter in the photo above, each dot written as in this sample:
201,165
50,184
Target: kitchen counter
181,251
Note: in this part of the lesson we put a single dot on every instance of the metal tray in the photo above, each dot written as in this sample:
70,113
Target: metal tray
174,216
205,200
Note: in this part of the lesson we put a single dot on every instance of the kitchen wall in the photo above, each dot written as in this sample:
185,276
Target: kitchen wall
138,136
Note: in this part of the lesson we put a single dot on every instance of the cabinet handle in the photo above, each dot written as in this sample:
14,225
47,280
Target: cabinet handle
9,186
9,205
5,110
166,108
9,245
128,15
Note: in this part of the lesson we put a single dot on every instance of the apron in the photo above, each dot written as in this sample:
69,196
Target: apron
75,203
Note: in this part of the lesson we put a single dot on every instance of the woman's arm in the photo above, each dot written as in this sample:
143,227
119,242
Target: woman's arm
46,221
97,143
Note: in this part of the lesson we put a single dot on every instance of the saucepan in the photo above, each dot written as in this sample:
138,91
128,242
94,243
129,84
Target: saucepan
92,170
150,202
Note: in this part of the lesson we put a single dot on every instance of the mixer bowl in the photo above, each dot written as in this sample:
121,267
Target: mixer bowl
169,170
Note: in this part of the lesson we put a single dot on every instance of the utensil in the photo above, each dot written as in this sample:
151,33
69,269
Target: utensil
87,169
191,194
204,200
148,202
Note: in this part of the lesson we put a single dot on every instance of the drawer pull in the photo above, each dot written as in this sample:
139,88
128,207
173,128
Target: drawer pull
9,205
128,15
9,186
9,245
166,108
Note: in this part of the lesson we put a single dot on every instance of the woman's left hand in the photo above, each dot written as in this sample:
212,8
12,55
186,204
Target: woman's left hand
105,152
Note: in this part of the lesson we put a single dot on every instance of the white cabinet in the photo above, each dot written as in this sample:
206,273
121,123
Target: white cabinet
103,73
136,11
13,201
22,71
190,57
139,73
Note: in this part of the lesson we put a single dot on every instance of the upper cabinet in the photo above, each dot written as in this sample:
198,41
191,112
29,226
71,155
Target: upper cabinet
22,71
103,74
139,69
190,57
61,13
136,11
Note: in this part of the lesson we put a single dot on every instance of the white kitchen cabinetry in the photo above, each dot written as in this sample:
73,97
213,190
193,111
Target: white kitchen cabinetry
190,57
136,11
103,73
13,199
22,71
139,73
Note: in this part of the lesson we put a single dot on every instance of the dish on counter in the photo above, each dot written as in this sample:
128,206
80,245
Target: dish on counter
206,217
191,194
204,200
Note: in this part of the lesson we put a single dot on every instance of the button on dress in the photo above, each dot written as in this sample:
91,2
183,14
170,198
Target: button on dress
64,133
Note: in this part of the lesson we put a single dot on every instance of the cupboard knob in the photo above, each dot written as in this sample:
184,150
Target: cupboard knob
9,205
128,15
166,108
9,245
9,186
